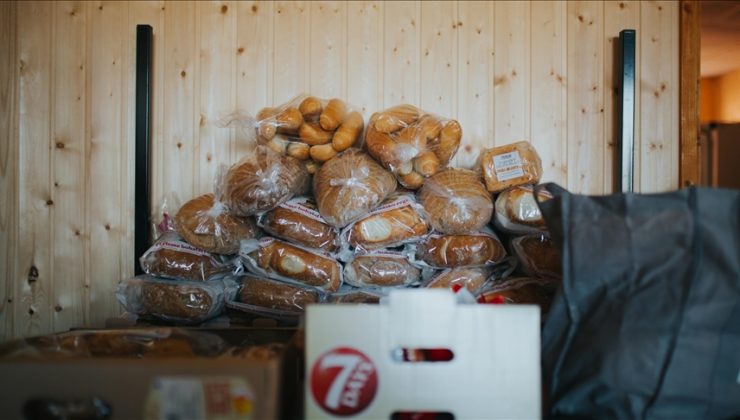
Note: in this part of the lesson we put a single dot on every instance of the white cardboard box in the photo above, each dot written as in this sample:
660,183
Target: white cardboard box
351,370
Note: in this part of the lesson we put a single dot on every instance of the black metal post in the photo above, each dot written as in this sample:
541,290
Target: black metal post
626,119
142,184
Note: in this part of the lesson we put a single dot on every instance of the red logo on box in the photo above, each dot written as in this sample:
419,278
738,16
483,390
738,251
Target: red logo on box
343,381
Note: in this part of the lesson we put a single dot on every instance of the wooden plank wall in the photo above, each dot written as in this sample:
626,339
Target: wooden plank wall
537,70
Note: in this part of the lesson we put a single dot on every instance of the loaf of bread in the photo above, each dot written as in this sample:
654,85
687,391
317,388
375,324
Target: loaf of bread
516,210
510,165
411,143
395,222
472,278
456,202
358,296
298,221
173,258
281,260
206,224
272,294
170,300
350,186
447,251
521,290
380,269
538,256
262,181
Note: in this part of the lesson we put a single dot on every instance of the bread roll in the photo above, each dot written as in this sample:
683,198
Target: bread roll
472,278
456,201
447,251
205,223
263,181
393,223
273,294
382,269
538,256
510,165
396,118
291,262
349,186
299,222
333,114
517,210
347,133
310,108
171,257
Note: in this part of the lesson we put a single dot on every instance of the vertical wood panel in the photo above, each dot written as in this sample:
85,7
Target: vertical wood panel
619,15
438,58
69,243
549,88
659,96
401,53
217,88
328,49
474,86
364,55
512,71
586,142
254,63
105,96
8,165
176,160
32,301
290,50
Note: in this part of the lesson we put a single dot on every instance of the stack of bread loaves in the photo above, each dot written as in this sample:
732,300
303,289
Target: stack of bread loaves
313,214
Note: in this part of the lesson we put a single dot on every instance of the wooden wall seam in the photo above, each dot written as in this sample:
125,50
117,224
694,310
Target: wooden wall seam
690,153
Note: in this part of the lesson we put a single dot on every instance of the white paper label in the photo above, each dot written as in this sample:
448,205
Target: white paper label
297,206
508,166
197,398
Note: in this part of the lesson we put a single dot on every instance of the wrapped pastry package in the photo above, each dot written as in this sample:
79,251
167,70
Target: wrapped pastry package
411,143
349,186
517,211
180,301
397,221
299,222
280,260
448,251
264,297
381,268
173,258
510,165
538,256
456,202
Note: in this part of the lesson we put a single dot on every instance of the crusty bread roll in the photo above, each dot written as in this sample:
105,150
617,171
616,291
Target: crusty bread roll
448,251
289,261
472,278
510,165
456,201
349,186
273,294
517,210
538,256
205,223
388,228
380,270
171,257
299,222
263,181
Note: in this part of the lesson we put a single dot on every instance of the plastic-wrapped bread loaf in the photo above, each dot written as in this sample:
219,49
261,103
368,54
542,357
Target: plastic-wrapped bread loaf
472,278
456,202
298,221
447,251
274,294
398,220
380,268
520,290
510,165
516,210
171,257
538,256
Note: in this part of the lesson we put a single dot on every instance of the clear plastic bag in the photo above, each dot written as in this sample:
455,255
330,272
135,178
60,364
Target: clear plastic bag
520,290
538,256
280,260
298,221
510,165
262,181
411,143
173,258
517,211
397,221
448,251
273,299
163,220
355,295
184,302
456,201
381,268
349,186
310,129
471,278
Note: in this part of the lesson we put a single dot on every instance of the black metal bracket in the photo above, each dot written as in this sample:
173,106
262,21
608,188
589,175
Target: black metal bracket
626,115
142,169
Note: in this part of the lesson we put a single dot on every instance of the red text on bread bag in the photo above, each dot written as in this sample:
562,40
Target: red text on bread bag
343,381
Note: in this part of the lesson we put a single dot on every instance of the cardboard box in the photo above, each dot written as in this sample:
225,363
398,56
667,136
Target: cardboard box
181,387
354,367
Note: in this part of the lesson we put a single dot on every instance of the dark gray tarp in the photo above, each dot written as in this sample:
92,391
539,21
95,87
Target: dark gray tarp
647,322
